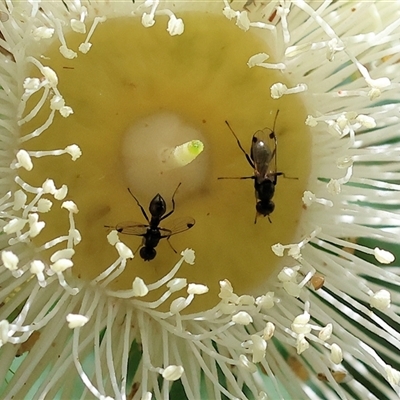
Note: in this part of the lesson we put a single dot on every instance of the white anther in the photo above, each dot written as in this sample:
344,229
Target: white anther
226,289
178,305
4,329
243,21
292,288
61,193
173,372
14,225
380,300
48,186
67,53
311,121
31,85
65,253
70,206
278,249
287,274
300,324
85,47
66,111
124,251
383,256
44,205
24,160
113,238
366,121
42,32
148,20
334,186
336,354
139,287
269,331
189,256
57,102
194,288
246,300
10,260
35,226
37,267
76,320
302,344
20,198
266,301
326,332
175,26
242,318
74,151
244,362
50,75
78,26
393,375
61,265
258,348
176,284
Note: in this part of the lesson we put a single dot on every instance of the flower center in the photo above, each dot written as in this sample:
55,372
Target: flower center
134,77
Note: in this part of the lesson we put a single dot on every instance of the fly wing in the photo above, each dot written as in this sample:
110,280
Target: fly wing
131,228
263,151
178,225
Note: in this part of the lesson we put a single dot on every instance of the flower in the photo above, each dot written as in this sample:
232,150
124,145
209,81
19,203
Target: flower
323,324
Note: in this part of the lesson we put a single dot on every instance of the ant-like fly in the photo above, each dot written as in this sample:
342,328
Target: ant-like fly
262,159
151,232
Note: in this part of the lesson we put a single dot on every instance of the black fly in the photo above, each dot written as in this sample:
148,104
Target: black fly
151,232
262,159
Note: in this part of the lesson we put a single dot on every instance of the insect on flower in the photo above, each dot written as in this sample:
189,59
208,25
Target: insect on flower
262,159
151,232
